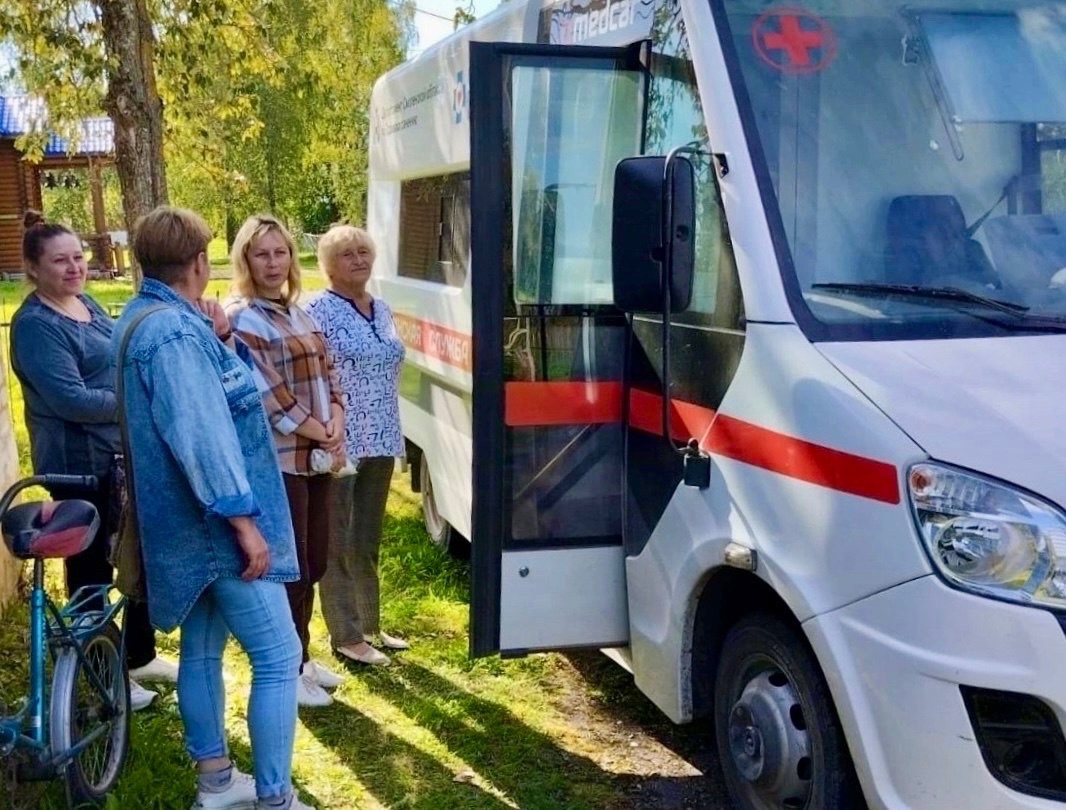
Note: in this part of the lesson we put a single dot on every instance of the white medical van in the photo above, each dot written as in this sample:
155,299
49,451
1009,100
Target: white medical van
737,345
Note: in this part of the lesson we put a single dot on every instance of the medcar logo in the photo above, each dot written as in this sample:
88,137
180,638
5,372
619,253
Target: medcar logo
459,97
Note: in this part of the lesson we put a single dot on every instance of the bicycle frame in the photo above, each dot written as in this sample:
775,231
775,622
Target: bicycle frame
54,628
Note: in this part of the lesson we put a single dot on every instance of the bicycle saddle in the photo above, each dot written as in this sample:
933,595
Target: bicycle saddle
49,530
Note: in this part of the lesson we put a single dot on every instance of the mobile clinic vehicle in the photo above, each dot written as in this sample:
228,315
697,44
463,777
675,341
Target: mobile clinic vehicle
844,540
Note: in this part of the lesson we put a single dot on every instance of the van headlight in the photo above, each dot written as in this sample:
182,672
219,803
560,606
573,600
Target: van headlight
988,537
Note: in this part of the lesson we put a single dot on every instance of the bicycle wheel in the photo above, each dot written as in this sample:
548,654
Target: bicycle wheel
78,710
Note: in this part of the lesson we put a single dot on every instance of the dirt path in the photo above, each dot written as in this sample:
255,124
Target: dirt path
654,763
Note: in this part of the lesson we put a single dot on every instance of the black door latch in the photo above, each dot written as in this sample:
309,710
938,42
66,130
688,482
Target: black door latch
697,466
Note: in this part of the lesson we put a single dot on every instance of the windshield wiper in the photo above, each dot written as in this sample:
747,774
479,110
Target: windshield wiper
1022,319
920,291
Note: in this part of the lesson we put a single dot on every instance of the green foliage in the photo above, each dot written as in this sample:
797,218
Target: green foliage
71,204
291,131
464,15
59,56
266,104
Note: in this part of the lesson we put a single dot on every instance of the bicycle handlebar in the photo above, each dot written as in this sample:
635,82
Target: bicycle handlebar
86,482
81,481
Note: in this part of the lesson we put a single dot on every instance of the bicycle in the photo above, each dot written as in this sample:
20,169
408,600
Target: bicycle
78,728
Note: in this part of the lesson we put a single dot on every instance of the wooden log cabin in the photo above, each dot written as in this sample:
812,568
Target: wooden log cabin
20,180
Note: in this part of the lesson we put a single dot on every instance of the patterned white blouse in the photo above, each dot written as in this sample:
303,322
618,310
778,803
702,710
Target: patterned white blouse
367,355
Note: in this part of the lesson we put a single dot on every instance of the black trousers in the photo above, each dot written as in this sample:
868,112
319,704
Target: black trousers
91,567
310,505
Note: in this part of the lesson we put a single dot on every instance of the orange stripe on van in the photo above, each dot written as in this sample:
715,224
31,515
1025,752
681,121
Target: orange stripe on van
545,404
436,341
806,461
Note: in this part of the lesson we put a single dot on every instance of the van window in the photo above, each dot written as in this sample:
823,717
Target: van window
909,161
571,126
435,228
675,118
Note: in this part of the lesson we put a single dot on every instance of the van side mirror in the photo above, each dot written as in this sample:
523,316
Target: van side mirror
653,231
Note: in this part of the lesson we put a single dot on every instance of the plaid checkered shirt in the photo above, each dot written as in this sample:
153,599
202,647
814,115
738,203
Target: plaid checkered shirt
293,370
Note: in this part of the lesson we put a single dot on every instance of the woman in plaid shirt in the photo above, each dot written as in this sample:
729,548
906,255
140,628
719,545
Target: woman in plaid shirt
303,403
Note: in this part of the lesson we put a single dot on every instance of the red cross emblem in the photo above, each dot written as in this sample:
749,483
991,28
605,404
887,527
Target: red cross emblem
793,40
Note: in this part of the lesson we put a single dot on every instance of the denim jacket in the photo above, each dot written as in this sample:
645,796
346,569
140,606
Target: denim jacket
202,452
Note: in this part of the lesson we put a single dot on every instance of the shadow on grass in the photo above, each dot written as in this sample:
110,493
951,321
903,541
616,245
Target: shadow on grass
241,755
393,770
527,765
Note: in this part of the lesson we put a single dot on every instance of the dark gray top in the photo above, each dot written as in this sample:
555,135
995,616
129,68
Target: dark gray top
68,384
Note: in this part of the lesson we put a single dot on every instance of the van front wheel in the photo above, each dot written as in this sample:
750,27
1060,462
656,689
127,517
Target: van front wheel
779,740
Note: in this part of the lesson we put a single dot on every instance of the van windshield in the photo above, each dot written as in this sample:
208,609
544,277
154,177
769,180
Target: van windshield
914,161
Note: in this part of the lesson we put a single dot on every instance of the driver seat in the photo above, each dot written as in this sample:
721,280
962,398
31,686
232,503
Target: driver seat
928,244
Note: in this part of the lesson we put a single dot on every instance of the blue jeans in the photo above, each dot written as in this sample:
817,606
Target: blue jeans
257,614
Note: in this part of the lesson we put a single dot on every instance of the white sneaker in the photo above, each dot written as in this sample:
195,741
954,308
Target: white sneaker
308,692
324,677
140,698
158,669
239,793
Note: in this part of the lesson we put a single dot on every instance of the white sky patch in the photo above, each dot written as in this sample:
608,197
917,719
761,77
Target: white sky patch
432,30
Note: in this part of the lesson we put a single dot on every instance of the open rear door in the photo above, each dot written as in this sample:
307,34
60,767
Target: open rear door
548,126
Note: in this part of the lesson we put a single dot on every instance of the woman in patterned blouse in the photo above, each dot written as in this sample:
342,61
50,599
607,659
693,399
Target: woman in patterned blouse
303,403
367,354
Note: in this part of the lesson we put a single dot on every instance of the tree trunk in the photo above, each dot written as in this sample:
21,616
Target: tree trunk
135,108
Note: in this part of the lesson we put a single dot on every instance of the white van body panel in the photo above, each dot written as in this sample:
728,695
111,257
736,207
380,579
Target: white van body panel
530,621
895,673
785,387
994,405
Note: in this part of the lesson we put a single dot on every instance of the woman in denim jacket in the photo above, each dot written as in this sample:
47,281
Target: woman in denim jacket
215,530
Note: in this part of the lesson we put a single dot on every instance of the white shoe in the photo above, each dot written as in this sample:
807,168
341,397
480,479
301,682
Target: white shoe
324,677
294,804
158,669
308,692
140,698
373,657
239,793
389,642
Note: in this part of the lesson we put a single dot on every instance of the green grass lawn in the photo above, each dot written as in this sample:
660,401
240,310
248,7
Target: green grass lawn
435,730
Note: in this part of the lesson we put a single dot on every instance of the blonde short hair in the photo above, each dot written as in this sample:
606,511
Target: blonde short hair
254,229
338,238
167,239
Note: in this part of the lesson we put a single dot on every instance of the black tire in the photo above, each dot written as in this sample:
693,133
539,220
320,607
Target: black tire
780,743
441,533
77,709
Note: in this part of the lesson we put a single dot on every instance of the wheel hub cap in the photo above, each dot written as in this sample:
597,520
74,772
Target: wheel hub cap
768,741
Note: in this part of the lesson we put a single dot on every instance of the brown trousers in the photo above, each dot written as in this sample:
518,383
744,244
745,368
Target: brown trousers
310,504
350,601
